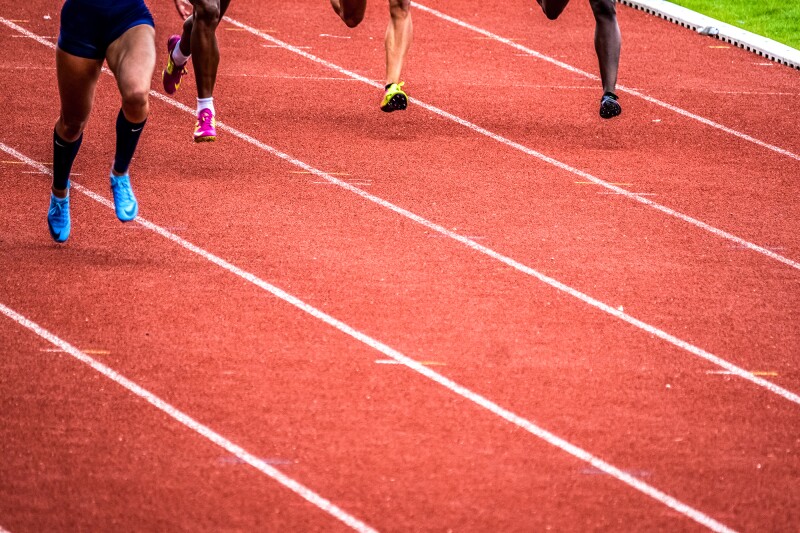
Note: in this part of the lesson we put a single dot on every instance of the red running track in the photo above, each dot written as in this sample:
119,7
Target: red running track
382,442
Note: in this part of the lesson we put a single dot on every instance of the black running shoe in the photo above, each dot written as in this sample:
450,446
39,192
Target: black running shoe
609,107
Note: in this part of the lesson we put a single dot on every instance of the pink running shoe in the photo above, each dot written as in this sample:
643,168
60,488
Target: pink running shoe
206,128
171,76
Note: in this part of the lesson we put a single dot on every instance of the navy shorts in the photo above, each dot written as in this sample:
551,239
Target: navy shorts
88,27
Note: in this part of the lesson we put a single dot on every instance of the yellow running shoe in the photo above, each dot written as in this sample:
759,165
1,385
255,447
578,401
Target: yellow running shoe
171,76
394,99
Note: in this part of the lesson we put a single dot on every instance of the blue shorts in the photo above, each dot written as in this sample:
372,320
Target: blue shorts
88,27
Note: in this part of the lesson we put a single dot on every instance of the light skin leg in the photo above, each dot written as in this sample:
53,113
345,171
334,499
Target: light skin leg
77,80
399,34
132,59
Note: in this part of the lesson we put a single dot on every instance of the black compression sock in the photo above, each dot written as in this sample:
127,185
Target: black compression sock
127,138
63,156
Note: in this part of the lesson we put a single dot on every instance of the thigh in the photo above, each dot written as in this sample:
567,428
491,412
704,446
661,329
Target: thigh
77,79
132,58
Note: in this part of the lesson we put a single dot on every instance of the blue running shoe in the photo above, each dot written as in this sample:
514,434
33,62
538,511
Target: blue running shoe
58,221
125,203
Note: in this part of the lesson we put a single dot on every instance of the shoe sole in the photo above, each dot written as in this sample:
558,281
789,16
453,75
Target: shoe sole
610,110
398,102
205,139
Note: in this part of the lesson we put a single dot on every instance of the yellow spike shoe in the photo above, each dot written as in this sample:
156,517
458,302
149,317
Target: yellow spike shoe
394,99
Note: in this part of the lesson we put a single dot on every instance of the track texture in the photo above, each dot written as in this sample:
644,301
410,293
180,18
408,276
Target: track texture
384,443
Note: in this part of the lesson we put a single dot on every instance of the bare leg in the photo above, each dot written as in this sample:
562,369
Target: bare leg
399,34
77,80
132,59
200,38
350,11
607,41
553,8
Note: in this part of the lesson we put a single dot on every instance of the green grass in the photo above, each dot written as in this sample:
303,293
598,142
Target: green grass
777,19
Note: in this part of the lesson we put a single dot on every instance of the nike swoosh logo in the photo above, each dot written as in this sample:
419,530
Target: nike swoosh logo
140,129
61,145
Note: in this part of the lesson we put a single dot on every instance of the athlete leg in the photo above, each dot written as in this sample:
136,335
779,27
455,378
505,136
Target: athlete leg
607,41
132,59
350,11
77,80
553,8
399,34
203,39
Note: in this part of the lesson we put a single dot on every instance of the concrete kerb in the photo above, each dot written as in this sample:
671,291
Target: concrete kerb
767,48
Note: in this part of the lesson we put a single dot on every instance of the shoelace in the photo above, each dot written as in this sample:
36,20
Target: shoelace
59,212
125,193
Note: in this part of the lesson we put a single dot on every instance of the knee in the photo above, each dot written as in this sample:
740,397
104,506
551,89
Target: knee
207,11
399,9
187,25
70,130
136,103
604,9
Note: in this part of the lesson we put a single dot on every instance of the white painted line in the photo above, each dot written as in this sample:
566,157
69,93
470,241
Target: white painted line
2,530
751,42
234,449
464,392
618,313
620,88
639,198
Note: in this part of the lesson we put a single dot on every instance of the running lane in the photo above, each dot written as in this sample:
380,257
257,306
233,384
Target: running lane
725,181
705,289
351,280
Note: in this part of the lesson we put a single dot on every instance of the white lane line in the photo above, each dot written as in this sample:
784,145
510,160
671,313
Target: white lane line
1,527
464,392
234,449
547,159
616,312
591,76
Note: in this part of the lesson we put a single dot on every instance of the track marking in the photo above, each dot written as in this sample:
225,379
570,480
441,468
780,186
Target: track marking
547,159
423,363
386,350
328,173
616,312
90,351
175,413
620,88
754,372
593,183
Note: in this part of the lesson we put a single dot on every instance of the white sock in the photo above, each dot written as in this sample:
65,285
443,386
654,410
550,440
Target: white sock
177,56
205,103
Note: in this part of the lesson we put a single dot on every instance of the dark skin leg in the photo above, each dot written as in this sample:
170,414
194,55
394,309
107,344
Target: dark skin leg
200,39
607,38
607,41
350,11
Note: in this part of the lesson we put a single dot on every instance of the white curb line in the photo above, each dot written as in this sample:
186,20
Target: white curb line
772,50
